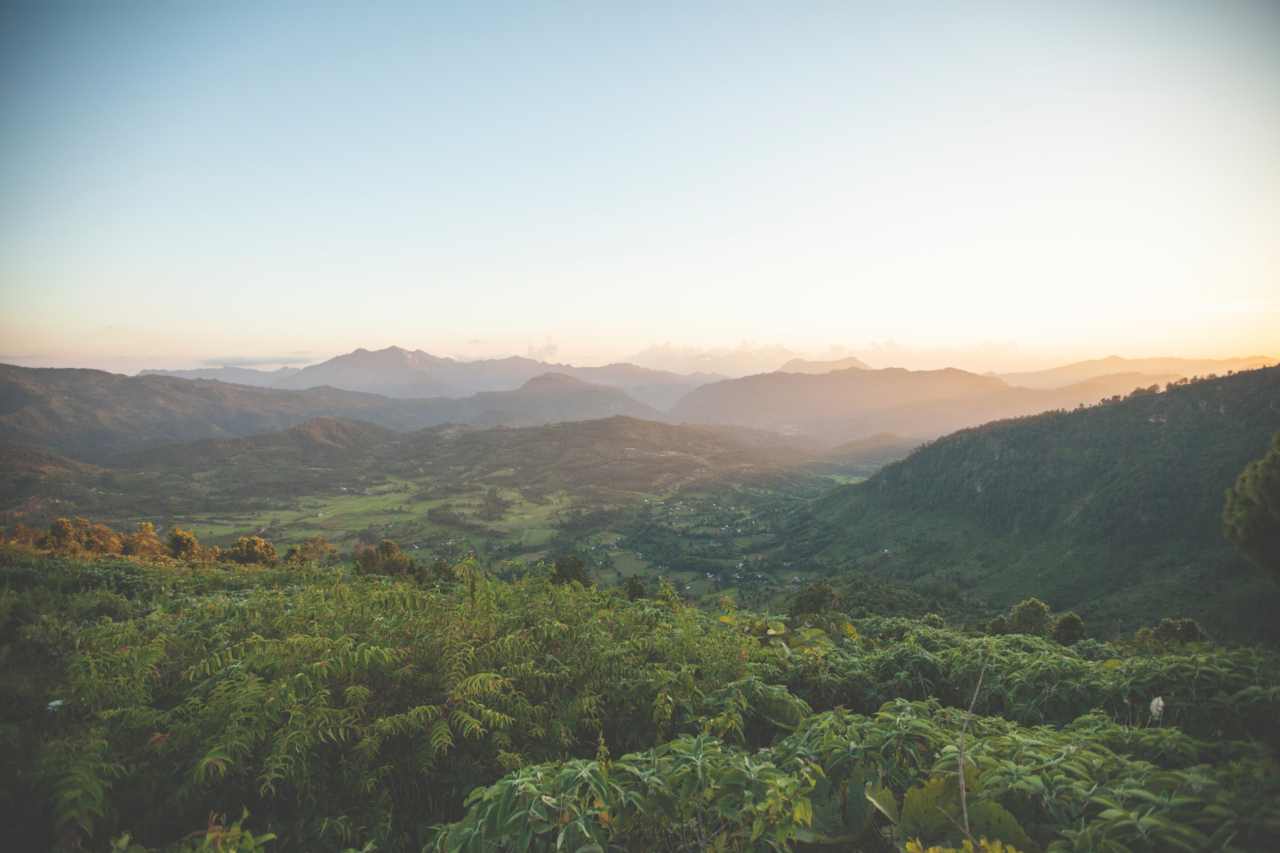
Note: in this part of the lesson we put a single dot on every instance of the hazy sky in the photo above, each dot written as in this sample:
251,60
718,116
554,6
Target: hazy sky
191,181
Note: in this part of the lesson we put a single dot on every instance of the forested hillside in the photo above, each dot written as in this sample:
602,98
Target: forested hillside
1111,510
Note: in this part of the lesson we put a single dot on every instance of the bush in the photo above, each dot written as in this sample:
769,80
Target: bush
1092,650
1069,629
814,598
253,551
386,559
315,549
1031,617
633,589
570,568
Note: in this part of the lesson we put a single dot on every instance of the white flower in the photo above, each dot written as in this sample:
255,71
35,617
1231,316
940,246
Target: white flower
53,706
1157,707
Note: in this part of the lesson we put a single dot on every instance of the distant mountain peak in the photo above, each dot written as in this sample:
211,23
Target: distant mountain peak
804,365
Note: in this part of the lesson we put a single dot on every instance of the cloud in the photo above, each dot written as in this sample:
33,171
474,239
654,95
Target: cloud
475,342
546,352
253,361
1238,306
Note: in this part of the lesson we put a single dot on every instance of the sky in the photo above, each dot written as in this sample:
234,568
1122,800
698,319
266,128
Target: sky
268,183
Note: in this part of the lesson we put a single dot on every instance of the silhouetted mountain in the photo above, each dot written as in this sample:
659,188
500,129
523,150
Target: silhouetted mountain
854,403
237,375
90,414
803,365
396,372
1112,511
1082,371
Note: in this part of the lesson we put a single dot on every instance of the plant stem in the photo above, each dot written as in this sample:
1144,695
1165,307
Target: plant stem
964,800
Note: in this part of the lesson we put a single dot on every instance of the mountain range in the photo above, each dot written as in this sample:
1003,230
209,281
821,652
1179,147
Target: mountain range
1083,371
89,415
401,373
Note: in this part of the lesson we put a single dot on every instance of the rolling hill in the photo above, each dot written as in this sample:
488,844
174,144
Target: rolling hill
236,375
1112,511
848,404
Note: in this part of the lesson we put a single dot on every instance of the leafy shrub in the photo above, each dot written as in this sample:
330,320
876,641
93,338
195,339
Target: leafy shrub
253,550
386,559
633,589
570,568
815,597
350,710
1068,629
1092,650
1031,617
314,549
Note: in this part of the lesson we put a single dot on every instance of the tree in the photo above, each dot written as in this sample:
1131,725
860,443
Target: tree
386,559
254,550
370,536
1069,629
316,549
68,539
633,589
1252,512
570,568
814,598
183,544
442,571
61,538
143,543
1031,617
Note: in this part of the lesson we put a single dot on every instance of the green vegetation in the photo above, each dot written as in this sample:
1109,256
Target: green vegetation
569,637
413,712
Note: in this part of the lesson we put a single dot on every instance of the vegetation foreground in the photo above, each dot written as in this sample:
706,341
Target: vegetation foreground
188,705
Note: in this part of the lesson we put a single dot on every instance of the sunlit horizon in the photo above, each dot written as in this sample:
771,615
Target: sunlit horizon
990,186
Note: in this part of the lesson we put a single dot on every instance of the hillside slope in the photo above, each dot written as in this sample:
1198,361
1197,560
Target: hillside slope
1113,511
621,453
319,441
